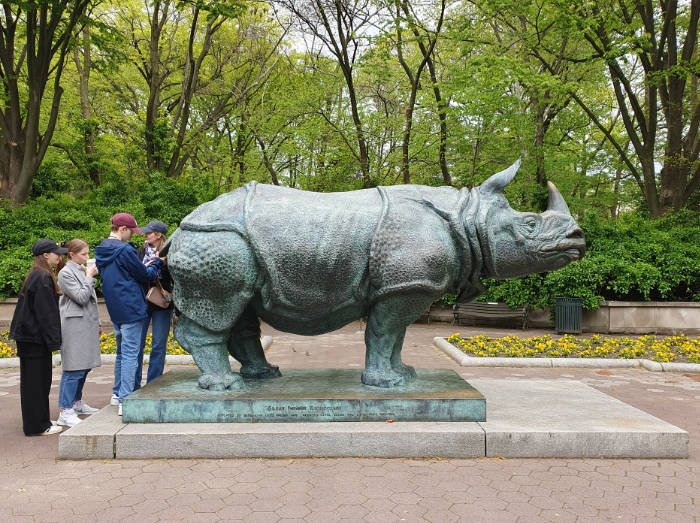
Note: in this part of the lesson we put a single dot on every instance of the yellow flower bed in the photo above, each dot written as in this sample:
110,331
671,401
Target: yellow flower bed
666,349
108,345
6,350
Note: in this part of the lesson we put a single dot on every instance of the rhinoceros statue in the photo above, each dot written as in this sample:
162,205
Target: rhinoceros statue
309,263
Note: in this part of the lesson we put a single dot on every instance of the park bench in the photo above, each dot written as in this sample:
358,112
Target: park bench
475,311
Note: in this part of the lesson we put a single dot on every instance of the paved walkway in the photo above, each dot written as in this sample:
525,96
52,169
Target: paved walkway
35,486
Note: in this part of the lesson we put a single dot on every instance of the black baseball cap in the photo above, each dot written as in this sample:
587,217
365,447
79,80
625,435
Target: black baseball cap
43,246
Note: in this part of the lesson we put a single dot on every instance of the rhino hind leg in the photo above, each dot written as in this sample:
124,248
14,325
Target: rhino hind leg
208,349
399,366
244,345
386,327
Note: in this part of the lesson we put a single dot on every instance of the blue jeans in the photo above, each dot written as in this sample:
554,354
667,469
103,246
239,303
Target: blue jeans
71,389
160,319
128,338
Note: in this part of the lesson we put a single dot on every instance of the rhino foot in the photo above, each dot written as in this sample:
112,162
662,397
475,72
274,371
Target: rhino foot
228,381
385,379
260,373
404,370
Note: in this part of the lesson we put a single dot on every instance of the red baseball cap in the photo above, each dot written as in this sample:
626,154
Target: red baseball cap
125,219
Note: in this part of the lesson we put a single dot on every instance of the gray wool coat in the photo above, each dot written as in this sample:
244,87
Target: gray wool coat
80,322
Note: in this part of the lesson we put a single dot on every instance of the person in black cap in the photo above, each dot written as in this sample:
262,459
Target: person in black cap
36,327
159,318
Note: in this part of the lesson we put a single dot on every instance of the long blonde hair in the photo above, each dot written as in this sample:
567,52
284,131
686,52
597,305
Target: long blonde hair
160,241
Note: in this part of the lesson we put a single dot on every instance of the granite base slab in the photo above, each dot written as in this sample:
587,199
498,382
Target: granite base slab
527,418
537,418
300,440
306,395
92,438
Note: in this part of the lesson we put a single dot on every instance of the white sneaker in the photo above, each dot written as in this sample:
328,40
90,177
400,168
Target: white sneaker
53,429
68,418
83,408
120,409
114,400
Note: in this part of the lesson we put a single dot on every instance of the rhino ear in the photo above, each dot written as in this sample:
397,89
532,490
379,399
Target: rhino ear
498,182
556,200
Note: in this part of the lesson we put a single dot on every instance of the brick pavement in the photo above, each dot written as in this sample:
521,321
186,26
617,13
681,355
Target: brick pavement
35,486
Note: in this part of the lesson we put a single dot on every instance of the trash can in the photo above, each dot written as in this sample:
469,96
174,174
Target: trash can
567,315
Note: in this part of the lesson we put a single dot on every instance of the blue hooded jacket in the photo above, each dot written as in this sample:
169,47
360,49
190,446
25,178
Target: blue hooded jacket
122,277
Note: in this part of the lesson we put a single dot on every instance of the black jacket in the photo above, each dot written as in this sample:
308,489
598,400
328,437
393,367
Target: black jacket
166,280
37,319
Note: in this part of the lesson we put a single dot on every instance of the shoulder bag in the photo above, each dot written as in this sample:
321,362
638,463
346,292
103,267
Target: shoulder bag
159,296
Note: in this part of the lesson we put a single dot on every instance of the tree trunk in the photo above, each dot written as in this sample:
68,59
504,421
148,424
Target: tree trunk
46,32
405,171
427,53
83,66
649,190
442,116
361,141
154,153
540,130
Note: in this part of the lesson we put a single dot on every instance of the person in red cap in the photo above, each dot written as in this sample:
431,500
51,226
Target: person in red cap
123,277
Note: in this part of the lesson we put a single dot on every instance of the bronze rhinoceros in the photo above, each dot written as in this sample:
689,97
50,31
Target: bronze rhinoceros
309,263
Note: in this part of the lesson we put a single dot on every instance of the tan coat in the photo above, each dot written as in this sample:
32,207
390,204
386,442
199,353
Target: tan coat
80,322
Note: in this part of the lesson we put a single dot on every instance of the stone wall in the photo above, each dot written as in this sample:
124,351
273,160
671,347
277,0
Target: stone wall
621,317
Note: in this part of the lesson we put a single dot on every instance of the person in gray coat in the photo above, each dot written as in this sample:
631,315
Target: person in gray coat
80,331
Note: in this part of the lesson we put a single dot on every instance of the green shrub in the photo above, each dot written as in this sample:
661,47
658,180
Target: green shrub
628,259
63,216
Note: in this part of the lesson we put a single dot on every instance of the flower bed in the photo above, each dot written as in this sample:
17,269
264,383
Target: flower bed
662,349
108,345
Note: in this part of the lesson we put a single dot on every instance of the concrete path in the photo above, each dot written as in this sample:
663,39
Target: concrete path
35,486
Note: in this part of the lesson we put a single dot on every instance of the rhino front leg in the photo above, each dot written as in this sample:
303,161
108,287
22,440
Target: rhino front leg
208,349
244,345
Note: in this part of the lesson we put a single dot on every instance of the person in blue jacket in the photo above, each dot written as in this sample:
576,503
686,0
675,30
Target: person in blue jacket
123,277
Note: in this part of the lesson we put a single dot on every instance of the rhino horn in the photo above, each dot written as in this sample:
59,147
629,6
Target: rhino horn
556,200
498,181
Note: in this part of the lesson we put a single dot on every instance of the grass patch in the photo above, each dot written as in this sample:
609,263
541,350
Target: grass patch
662,349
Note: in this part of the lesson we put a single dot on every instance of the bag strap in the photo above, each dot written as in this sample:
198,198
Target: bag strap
158,284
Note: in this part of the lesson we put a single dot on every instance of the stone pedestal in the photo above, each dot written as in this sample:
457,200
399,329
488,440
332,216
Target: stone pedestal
527,418
308,395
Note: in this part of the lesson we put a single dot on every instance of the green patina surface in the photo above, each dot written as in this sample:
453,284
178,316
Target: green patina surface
310,263
306,395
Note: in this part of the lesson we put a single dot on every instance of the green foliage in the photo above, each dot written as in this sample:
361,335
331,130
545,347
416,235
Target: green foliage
62,216
628,259
50,179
